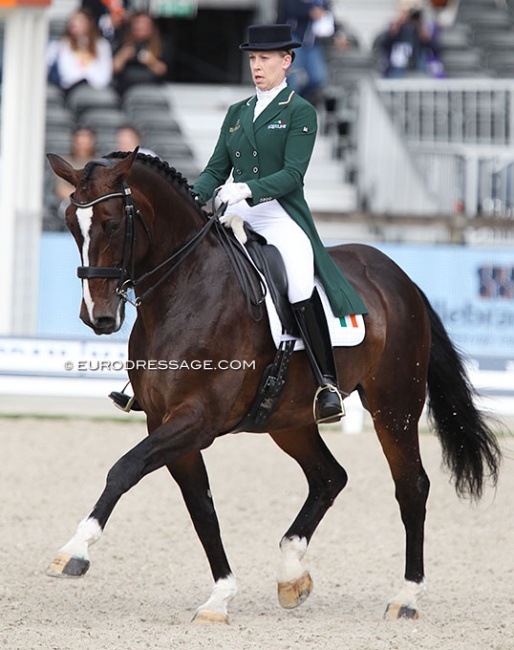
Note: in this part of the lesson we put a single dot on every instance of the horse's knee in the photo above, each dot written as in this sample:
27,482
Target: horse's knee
124,474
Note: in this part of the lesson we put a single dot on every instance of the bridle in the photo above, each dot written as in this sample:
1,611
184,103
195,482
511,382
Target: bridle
125,274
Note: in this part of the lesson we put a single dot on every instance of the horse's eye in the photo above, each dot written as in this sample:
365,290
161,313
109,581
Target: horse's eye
110,227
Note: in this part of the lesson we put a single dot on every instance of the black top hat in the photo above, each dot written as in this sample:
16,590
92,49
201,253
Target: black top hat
269,37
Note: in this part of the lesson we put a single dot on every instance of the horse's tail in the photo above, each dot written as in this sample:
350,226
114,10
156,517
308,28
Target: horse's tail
470,448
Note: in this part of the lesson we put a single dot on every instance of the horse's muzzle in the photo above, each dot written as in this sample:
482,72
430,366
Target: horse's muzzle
103,323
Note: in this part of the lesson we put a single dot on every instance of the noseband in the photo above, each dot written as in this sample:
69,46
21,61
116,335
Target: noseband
124,274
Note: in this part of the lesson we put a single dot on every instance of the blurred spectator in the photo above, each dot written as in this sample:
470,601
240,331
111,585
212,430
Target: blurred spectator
344,37
80,56
310,72
410,45
110,15
82,150
128,138
140,58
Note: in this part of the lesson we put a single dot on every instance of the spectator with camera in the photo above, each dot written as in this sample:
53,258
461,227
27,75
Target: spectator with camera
409,45
140,58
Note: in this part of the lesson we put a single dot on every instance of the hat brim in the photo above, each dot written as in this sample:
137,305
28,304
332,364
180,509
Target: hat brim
261,47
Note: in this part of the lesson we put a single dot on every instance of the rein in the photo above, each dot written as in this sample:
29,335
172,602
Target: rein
178,257
253,288
251,282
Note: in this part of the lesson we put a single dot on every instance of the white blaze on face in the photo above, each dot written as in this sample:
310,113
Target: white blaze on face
84,218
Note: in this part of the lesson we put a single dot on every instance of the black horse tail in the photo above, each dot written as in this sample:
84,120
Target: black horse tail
470,448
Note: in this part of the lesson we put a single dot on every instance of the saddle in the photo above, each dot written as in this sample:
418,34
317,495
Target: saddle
269,262
267,259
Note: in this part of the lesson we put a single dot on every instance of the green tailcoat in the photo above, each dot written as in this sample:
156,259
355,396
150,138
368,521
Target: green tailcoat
271,155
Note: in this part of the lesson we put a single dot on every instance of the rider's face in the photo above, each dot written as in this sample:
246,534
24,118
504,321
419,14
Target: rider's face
269,68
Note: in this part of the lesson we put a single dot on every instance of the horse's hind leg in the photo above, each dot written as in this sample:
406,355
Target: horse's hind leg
397,430
326,478
191,476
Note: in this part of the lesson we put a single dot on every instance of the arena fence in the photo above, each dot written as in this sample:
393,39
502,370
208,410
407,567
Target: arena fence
452,137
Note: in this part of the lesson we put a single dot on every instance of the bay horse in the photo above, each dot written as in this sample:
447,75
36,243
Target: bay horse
138,224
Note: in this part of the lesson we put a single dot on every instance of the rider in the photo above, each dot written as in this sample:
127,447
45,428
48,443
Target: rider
266,141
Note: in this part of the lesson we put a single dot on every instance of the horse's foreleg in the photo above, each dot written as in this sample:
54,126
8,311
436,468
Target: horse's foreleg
163,446
72,560
326,478
191,476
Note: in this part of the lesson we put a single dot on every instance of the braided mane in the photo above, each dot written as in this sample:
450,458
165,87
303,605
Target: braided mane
172,175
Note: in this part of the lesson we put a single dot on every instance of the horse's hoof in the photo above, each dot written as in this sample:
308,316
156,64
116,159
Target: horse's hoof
67,566
294,593
395,611
210,616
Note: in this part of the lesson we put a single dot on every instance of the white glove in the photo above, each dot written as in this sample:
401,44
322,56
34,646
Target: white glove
231,193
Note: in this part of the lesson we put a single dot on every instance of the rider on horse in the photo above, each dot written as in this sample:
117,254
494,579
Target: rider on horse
266,141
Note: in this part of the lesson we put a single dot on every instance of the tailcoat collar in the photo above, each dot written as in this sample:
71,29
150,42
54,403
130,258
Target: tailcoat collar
272,110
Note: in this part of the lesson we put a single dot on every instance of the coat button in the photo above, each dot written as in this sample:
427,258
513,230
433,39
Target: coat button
254,154
238,154
255,170
238,172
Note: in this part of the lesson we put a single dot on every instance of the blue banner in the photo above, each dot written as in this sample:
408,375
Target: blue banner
472,289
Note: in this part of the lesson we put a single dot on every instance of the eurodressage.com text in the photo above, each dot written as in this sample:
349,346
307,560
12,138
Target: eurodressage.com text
158,364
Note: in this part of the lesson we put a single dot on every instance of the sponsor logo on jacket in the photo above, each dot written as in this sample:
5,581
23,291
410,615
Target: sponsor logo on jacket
279,124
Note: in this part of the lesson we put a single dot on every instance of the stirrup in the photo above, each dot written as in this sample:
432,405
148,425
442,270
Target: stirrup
125,402
335,417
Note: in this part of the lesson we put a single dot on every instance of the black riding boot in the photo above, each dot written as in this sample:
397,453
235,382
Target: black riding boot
316,338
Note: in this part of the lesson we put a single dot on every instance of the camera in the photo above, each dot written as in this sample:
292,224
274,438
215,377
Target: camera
141,51
415,15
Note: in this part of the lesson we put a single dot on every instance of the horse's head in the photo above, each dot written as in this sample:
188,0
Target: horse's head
109,232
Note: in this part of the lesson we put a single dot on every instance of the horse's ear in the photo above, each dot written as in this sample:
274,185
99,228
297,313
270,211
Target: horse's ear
63,169
122,169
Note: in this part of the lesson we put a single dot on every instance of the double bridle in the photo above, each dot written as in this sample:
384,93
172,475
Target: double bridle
126,272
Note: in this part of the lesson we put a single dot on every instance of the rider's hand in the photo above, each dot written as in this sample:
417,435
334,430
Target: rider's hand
231,193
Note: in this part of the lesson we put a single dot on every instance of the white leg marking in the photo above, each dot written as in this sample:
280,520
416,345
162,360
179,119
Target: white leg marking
410,594
88,532
223,592
293,549
84,218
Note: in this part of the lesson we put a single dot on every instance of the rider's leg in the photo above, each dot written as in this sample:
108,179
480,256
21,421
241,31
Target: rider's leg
312,322
296,250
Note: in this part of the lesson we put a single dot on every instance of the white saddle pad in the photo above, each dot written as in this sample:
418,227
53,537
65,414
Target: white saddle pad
347,331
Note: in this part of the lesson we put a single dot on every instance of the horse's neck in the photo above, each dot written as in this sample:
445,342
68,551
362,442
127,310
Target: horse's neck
199,296
176,223
176,217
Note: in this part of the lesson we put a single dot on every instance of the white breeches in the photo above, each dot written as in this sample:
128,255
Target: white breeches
272,222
